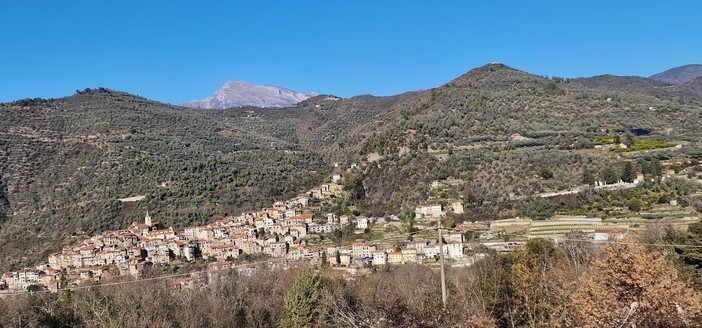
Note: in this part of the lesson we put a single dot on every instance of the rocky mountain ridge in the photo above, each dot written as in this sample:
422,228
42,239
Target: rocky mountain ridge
240,93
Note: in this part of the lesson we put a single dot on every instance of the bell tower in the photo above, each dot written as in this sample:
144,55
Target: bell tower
147,219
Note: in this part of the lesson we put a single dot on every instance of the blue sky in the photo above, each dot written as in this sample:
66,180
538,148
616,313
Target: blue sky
175,51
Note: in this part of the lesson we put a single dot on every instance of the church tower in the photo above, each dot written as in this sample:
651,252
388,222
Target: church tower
147,219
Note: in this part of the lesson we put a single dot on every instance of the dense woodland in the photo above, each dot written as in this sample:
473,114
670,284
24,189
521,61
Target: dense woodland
65,163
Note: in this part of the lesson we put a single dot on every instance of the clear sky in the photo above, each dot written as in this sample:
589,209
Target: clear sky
174,51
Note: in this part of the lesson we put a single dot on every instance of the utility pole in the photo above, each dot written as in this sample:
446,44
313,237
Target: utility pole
443,275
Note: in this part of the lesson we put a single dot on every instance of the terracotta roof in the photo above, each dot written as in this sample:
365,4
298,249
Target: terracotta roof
302,216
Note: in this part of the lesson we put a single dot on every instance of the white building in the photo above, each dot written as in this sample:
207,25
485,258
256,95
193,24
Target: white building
344,219
430,211
457,207
380,258
336,178
362,222
431,251
22,279
454,249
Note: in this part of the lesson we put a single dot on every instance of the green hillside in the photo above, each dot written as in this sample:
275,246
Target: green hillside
495,136
689,93
492,135
507,127
64,164
329,125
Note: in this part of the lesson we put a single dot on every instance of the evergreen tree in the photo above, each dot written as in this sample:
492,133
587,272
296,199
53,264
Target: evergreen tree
646,168
301,307
609,176
324,259
656,168
588,178
628,173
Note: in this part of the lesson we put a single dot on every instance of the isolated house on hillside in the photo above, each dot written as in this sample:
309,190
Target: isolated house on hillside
430,211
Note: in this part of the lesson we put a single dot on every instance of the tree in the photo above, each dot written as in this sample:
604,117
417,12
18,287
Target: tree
634,287
324,259
646,167
545,173
353,184
588,178
609,176
628,173
530,294
689,259
656,168
635,205
301,306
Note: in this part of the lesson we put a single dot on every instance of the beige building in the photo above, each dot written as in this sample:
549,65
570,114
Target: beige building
395,258
362,250
409,255
429,211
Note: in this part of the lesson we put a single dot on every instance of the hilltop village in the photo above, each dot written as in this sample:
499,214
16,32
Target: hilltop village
293,230
279,232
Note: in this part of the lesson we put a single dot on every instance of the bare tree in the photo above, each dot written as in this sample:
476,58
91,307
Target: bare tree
633,286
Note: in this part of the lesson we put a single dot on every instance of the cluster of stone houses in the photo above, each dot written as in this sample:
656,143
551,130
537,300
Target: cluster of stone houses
24,279
134,250
280,231
418,251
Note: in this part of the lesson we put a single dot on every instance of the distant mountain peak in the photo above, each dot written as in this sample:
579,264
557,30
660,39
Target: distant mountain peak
481,73
242,93
679,75
232,84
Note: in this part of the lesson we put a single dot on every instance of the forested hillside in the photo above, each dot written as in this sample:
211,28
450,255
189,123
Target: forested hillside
329,125
64,164
689,93
493,135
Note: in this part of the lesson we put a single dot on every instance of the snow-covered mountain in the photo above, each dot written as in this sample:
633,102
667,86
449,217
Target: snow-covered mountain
239,93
